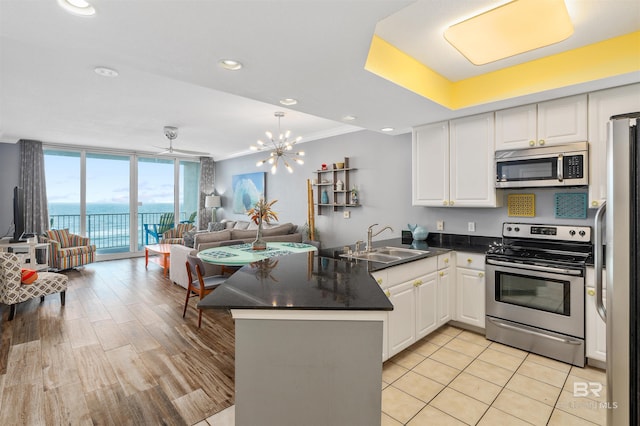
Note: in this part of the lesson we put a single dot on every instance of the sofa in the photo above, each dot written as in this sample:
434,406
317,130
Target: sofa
234,232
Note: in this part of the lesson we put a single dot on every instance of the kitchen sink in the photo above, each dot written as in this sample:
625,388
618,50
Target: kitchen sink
399,252
386,254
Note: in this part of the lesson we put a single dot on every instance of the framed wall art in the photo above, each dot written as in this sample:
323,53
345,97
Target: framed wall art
247,190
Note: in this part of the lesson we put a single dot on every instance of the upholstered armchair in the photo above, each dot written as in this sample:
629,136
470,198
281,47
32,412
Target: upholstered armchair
68,250
12,291
174,235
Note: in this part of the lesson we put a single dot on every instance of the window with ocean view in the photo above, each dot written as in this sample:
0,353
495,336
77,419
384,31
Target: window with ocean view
111,211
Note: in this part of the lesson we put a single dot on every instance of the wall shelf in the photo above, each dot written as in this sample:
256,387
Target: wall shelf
339,198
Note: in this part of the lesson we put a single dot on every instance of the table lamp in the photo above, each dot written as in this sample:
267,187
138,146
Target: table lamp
214,202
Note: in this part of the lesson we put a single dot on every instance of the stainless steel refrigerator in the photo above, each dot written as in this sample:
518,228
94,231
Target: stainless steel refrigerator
622,251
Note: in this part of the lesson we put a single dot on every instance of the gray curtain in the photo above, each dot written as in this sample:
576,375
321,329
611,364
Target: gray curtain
207,178
32,182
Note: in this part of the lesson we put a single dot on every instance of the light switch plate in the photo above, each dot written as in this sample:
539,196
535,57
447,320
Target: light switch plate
471,227
440,225
346,214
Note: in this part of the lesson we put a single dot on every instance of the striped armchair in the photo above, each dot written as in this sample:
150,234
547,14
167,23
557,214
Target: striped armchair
68,250
174,235
12,291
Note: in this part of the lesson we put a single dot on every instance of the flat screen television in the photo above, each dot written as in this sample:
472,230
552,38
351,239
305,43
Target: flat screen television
18,214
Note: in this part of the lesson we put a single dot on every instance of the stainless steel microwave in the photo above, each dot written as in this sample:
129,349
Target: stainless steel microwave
558,165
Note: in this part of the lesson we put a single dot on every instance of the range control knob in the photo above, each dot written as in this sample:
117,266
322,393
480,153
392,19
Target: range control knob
572,232
509,228
516,229
582,233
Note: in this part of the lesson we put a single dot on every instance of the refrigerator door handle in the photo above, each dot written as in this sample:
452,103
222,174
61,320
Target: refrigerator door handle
598,245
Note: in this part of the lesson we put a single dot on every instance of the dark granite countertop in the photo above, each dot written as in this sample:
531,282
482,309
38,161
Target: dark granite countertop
435,245
300,281
469,243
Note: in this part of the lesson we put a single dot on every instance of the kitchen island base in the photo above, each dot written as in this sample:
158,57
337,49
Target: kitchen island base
308,367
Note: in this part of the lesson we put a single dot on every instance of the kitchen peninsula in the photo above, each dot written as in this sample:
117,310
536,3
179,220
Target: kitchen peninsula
309,337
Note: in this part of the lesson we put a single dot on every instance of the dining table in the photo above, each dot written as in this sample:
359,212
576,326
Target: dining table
244,254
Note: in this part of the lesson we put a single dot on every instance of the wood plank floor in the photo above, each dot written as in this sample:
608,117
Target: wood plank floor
118,353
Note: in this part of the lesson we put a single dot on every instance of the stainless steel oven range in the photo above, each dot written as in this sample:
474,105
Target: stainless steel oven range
535,298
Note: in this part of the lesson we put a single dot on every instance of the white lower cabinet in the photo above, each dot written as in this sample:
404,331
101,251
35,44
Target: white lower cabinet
421,295
403,317
470,289
596,329
426,305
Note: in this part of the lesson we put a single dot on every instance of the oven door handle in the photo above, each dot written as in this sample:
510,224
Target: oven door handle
536,267
597,260
535,333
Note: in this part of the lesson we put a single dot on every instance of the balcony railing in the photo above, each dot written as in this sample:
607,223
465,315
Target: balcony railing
109,231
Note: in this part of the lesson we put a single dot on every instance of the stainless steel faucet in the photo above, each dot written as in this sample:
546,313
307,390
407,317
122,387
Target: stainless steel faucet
370,234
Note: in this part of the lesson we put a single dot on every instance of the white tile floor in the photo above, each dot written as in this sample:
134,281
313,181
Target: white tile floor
456,377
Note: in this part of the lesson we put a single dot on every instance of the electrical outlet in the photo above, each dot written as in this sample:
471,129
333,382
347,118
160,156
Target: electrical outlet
346,214
440,225
471,227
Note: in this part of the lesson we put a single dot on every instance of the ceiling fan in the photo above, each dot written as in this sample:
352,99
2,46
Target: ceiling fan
171,133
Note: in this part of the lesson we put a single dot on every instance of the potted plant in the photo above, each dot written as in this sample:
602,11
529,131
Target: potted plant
261,212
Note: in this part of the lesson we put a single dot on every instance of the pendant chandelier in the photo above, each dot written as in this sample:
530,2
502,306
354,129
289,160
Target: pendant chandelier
280,148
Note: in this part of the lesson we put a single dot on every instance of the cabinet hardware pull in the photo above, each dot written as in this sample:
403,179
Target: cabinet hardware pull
444,203
469,260
541,142
388,293
480,274
451,203
532,143
379,281
591,292
441,274
446,260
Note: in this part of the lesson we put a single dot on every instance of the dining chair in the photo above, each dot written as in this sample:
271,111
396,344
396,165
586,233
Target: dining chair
199,285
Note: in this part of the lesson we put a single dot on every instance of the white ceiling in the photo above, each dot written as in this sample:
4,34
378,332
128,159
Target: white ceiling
166,52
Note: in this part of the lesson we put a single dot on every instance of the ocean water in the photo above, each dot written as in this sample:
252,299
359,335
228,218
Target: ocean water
108,224
56,209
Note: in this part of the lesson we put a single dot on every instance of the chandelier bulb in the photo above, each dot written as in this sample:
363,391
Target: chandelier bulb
269,134
299,161
259,142
287,134
300,153
274,169
289,168
298,139
271,160
260,163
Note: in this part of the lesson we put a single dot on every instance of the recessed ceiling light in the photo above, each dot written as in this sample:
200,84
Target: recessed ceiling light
510,29
387,129
288,101
77,7
230,64
106,72
349,117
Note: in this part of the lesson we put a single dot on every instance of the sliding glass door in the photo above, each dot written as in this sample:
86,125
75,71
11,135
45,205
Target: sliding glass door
156,194
120,201
107,218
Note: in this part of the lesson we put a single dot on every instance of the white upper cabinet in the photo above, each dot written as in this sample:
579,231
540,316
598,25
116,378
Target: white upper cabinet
547,123
453,163
430,164
472,175
602,105
516,127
